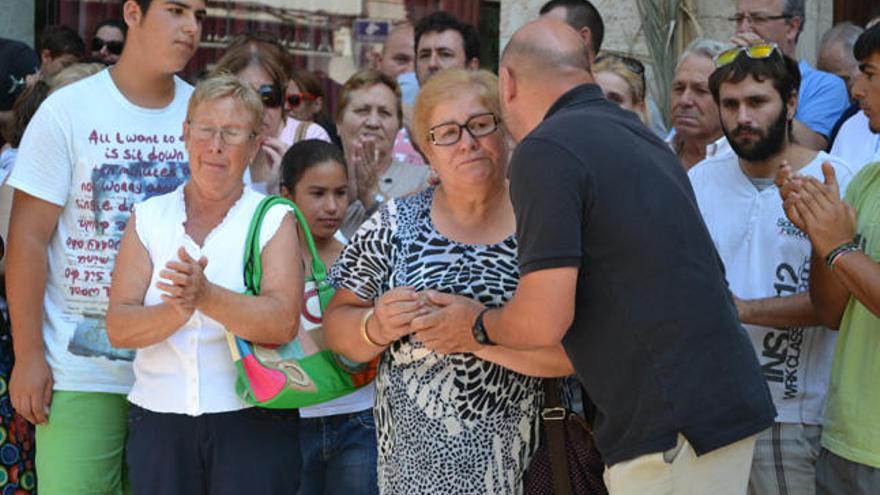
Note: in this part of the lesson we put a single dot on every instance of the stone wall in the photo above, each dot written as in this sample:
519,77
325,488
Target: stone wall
17,21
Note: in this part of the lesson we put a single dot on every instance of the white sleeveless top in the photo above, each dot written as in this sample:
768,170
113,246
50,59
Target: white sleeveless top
191,372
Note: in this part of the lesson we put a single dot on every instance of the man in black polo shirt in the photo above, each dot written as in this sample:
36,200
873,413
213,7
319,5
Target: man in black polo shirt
617,264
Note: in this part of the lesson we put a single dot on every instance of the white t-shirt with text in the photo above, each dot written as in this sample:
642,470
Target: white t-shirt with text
93,152
765,255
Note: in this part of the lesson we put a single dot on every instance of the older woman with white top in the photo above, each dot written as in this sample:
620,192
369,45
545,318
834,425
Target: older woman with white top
178,289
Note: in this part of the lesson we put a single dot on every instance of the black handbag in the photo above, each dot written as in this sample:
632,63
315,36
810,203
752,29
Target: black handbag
566,462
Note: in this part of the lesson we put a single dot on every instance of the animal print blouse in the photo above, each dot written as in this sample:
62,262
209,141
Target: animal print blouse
446,424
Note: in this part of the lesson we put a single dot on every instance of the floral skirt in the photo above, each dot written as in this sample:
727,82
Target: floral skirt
17,469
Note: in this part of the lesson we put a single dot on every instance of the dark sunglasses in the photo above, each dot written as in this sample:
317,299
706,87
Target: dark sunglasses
296,98
271,95
114,47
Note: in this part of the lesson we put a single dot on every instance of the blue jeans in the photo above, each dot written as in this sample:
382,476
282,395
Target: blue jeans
338,454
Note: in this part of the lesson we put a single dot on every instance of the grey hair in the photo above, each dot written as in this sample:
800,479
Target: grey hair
795,8
845,33
704,47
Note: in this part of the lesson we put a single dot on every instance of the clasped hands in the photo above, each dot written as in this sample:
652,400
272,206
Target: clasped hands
184,283
816,207
442,322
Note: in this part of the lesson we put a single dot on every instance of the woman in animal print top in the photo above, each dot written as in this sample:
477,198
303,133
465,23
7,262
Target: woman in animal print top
458,423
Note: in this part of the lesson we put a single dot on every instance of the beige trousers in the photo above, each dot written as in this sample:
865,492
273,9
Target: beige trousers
679,471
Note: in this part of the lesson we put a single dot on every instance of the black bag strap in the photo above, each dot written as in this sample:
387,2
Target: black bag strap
553,417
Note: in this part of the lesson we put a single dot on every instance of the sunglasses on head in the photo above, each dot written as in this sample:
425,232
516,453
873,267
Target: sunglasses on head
754,52
271,95
114,47
296,98
633,65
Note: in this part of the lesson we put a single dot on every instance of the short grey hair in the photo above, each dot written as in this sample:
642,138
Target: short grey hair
224,85
795,8
845,33
704,47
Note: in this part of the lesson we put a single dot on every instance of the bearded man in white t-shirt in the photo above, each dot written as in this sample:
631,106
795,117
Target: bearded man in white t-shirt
92,150
767,258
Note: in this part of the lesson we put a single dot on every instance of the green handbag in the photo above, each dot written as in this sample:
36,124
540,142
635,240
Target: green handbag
302,372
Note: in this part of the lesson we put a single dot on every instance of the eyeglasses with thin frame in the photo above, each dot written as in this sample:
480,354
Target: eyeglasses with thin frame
479,125
114,47
755,19
230,136
294,99
270,95
755,52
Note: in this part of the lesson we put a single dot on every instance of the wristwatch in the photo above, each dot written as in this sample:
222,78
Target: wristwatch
479,331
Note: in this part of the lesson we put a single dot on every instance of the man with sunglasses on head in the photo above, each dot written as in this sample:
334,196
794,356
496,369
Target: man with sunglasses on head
108,40
767,258
92,151
822,98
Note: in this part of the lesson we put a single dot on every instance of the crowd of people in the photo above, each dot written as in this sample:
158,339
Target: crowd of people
705,298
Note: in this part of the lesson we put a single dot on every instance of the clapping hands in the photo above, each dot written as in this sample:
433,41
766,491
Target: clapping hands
816,208
183,283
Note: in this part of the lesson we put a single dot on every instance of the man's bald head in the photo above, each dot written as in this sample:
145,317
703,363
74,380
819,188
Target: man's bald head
399,52
543,60
544,47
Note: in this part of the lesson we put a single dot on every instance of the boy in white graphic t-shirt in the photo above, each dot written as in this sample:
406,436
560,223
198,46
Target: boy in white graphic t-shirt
767,258
92,150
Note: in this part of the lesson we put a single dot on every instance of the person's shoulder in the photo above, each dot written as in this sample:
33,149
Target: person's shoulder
869,173
856,125
88,91
180,84
867,180
711,164
839,164
812,76
712,170
11,48
418,200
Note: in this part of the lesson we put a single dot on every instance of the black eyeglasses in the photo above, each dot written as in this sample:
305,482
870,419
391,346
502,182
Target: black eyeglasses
477,126
633,65
271,95
114,47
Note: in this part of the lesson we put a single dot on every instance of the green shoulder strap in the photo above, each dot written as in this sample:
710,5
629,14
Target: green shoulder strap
253,266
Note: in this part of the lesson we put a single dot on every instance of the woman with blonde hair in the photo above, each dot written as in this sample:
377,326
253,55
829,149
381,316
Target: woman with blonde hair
459,423
178,289
622,79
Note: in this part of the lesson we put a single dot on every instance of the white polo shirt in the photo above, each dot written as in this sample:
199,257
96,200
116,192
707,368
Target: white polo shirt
765,255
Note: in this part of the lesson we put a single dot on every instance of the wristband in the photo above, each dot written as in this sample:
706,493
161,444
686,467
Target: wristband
838,252
364,333
479,330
